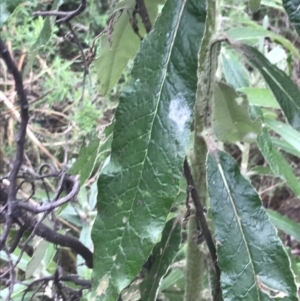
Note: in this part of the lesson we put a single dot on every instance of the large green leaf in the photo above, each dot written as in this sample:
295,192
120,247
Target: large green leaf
292,9
251,257
231,117
283,88
115,54
163,255
141,181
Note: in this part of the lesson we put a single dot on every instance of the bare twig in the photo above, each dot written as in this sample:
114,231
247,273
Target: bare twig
65,16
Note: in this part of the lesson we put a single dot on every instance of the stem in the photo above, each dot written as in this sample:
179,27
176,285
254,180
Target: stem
207,66
194,279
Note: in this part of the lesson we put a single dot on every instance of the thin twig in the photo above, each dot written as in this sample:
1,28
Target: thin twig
65,16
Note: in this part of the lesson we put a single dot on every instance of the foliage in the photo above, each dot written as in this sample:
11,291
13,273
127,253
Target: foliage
141,247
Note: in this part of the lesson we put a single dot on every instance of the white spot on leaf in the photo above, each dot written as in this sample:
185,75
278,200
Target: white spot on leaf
179,111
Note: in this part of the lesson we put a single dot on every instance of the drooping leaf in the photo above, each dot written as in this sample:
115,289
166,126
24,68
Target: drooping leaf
235,73
260,97
163,255
292,9
285,224
253,262
249,34
277,162
283,88
117,50
231,117
137,188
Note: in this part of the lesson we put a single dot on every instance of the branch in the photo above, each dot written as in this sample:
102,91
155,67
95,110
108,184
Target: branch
204,227
65,16
12,192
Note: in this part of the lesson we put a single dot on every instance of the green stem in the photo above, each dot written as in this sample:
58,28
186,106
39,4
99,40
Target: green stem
194,279
207,66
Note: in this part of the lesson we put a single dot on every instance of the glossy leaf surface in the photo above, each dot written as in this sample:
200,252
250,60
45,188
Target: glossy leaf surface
139,185
254,265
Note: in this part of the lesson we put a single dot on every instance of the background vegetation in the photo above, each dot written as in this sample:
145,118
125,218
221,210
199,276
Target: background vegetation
72,121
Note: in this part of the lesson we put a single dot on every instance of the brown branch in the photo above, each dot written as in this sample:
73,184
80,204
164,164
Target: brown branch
65,16
12,191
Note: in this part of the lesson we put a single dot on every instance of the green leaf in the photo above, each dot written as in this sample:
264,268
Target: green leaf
90,154
254,5
292,9
287,133
84,165
260,97
231,117
234,71
277,162
285,224
163,255
37,258
137,188
277,4
283,88
285,146
114,57
174,280
262,171
256,32
253,262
